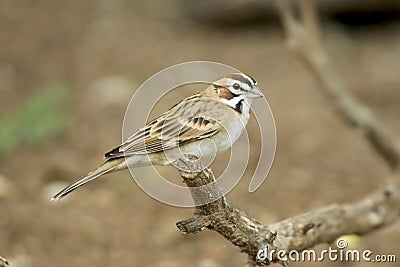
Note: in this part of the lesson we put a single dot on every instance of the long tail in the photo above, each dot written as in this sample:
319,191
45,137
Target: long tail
108,166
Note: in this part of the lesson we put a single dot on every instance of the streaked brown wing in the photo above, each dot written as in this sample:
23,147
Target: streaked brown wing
166,132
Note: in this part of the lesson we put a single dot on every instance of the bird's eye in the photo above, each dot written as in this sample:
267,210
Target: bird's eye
236,86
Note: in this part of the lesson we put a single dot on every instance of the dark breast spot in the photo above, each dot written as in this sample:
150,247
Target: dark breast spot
239,106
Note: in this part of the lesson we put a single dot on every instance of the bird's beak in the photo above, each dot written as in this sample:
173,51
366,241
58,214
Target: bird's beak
254,93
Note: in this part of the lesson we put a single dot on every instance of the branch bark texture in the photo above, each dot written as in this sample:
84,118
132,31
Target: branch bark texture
300,232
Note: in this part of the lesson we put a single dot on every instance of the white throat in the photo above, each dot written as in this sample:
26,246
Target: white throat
240,104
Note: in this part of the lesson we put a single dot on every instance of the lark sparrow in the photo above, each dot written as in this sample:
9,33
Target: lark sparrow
219,112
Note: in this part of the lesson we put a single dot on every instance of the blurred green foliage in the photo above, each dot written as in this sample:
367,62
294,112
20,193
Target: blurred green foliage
41,117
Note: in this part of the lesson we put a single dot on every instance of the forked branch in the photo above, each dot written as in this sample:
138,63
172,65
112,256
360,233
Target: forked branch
300,232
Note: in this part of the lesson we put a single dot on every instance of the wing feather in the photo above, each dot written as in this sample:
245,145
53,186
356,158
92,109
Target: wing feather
165,133
185,122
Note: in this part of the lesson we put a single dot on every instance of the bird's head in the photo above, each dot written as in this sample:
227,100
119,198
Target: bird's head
237,89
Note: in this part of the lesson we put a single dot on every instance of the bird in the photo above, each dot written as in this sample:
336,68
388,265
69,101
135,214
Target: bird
219,113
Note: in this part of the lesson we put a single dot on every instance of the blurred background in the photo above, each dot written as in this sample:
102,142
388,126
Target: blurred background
69,68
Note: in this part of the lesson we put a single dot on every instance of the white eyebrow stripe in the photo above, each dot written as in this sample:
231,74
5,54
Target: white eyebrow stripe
241,78
248,78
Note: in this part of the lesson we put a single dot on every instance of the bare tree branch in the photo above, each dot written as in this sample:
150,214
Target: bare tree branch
300,232
378,209
303,38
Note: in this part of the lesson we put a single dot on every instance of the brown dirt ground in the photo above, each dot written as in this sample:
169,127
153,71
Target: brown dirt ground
319,160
